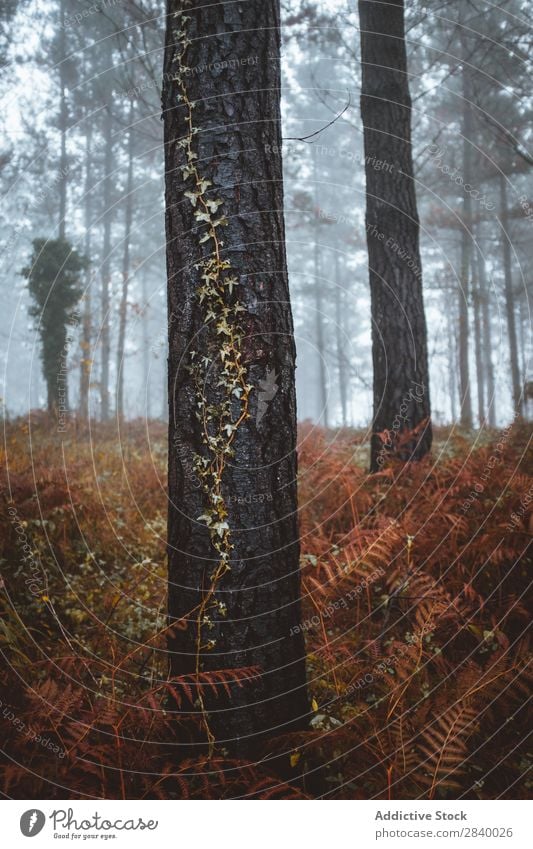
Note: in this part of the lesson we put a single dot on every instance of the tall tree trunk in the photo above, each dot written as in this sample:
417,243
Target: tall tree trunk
233,532
146,348
123,309
339,335
399,337
63,121
86,327
466,246
105,330
478,345
322,416
487,338
509,296
452,354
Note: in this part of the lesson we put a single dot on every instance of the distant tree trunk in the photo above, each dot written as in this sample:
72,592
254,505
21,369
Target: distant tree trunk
452,354
123,308
399,338
105,330
478,345
232,428
146,347
323,415
487,338
63,122
509,296
339,335
86,327
466,248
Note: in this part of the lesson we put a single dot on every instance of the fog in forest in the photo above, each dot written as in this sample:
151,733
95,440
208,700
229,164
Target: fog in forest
81,158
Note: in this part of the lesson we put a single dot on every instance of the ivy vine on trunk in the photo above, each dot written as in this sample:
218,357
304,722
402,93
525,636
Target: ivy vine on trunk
234,584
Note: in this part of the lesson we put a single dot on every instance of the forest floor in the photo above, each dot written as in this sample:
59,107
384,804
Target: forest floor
415,616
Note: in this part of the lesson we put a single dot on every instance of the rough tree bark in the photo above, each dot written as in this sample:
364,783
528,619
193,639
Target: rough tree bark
399,337
232,408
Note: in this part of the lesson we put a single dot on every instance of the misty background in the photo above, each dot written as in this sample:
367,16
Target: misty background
81,157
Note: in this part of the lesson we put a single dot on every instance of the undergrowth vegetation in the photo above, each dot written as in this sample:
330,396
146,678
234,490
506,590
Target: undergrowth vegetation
415,616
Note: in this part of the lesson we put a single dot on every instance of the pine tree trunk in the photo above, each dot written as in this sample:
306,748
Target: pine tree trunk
123,308
487,339
146,349
63,121
452,355
478,346
232,408
399,338
86,327
509,296
322,412
466,250
341,353
105,330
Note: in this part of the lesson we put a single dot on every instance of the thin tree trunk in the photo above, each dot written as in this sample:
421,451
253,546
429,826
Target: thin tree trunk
63,121
341,353
146,348
123,308
105,330
319,308
466,249
86,328
478,346
232,428
487,338
399,337
509,296
452,356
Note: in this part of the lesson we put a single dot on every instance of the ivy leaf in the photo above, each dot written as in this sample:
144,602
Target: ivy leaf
205,518
214,204
202,216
